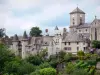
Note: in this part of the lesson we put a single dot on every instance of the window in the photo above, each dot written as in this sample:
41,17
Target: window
45,42
67,48
79,30
77,48
77,43
84,48
65,43
73,19
80,21
73,23
68,43
86,29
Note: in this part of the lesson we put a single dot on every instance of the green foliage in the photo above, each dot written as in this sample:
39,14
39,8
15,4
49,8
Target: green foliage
68,57
79,72
96,44
25,68
91,72
79,64
53,63
87,55
69,68
43,54
2,33
11,67
44,65
48,71
36,72
35,31
97,73
35,60
81,54
5,55
62,54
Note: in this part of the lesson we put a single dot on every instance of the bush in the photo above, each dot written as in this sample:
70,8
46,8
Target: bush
35,60
48,71
92,69
80,55
96,44
44,65
37,72
68,57
69,68
26,68
97,73
79,72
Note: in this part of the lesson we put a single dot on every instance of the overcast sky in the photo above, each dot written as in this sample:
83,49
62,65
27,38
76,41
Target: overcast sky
19,15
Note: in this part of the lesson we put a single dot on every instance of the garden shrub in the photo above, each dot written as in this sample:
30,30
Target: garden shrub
79,72
68,57
48,71
81,54
69,68
44,65
92,69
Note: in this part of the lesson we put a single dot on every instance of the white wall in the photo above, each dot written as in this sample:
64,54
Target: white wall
74,46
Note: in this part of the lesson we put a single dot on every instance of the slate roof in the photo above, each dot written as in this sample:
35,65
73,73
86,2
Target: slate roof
74,37
77,10
85,25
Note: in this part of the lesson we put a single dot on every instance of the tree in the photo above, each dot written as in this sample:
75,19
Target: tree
68,57
69,68
48,71
35,60
35,31
79,72
61,56
96,44
2,33
44,65
5,55
26,68
11,67
81,54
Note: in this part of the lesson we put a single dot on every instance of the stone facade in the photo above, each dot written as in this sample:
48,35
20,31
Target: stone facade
72,41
